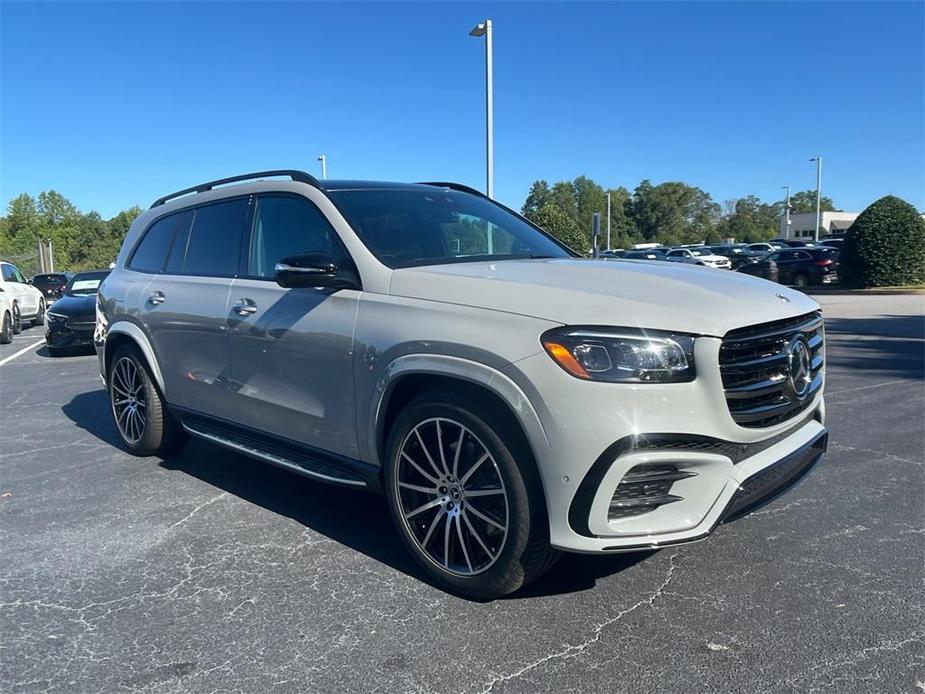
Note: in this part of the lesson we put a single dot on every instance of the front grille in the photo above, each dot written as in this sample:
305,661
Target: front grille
757,370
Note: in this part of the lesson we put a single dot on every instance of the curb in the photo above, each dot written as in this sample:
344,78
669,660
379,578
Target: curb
874,291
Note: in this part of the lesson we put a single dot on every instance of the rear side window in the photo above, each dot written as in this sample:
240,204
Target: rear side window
8,274
209,240
150,254
285,226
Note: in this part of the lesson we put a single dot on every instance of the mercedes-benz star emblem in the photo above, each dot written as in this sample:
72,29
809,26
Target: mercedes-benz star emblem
782,297
800,370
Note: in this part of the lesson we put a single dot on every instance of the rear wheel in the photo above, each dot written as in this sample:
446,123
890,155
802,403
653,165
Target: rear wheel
471,516
17,320
139,412
40,316
800,280
6,329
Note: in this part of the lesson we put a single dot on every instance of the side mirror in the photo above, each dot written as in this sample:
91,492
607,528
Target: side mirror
315,269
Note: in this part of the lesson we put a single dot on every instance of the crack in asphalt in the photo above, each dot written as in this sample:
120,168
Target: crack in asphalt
574,650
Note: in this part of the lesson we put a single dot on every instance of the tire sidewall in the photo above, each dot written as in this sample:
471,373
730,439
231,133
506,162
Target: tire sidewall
151,439
40,316
17,320
506,574
6,329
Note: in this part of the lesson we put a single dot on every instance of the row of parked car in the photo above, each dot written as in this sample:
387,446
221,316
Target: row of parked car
795,262
63,302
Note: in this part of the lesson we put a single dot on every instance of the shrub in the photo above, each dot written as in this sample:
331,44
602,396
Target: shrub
885,246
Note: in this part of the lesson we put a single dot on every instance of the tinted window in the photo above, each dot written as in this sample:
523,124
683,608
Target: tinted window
49,280
787,256
285,226
8,274
418,226
149,255
180,241
213,244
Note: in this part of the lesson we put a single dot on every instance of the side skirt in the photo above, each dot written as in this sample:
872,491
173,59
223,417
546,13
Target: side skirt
304,460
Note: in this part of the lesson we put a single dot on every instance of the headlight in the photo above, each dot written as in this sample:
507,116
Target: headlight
56,316
622,355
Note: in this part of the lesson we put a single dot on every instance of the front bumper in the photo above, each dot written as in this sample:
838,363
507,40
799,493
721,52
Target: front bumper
62,336
597,432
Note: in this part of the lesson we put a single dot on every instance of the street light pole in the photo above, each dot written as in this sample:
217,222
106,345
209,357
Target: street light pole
484,29
608,220
818,160
324,165
787,213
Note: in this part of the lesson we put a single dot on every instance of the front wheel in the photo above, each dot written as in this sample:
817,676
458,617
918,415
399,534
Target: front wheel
466,510
139,412
6,329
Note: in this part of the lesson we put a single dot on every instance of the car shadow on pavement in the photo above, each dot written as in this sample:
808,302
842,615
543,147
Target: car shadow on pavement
899,351
358,519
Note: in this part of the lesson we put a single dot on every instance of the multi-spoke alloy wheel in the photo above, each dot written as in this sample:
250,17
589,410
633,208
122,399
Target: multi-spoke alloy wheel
451,496
129,405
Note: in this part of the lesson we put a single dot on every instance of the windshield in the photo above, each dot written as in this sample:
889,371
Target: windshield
49,280
408,227
85,284
700,251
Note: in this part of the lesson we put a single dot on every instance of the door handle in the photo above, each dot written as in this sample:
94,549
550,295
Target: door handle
156,298
244,307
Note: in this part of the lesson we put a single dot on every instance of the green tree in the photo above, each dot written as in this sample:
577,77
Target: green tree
749,220
885,246
805,201
673,212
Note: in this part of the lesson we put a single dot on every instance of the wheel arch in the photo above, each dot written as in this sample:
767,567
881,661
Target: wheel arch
125,332
411,375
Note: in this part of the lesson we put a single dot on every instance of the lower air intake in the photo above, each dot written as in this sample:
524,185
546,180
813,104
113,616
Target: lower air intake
644,488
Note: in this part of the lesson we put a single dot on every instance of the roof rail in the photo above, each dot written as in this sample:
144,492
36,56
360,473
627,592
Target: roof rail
453,186
295,175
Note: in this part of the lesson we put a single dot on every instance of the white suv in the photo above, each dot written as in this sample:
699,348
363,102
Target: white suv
23,302
702,255
509,398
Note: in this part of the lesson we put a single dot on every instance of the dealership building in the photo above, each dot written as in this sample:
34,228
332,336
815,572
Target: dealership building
803,224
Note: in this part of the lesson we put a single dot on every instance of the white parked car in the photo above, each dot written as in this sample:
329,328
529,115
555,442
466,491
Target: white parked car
510,399
26,303
704,255
6,319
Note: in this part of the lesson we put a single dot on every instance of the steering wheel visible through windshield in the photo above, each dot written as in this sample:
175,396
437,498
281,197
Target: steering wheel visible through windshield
405,227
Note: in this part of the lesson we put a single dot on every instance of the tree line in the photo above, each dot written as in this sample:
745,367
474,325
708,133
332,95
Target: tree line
670,213
80,241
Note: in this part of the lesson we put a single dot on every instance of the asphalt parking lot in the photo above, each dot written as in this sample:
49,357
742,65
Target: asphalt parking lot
209,571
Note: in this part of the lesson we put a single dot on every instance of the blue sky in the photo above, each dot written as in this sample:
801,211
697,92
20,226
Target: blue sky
115,104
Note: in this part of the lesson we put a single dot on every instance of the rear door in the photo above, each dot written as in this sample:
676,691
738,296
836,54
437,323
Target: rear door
15,283
186,304
292,349
786,264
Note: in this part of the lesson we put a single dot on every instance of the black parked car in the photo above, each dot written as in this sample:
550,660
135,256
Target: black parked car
70,322
51,284
645,254
800,267
739,254
834,243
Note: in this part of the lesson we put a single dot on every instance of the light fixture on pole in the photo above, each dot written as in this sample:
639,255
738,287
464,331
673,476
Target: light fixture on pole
484,29
324,165
818,160
787,213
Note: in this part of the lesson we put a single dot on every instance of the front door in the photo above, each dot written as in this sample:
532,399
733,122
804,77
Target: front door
292,349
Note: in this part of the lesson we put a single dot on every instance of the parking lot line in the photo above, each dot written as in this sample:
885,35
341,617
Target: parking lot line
22,351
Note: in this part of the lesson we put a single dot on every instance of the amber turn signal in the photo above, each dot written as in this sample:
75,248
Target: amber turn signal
564,358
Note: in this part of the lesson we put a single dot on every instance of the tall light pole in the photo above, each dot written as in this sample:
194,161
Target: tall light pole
484,29
787,213
818,160
324,165
608,220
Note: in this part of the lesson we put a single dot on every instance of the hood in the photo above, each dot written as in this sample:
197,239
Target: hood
627,293
76,306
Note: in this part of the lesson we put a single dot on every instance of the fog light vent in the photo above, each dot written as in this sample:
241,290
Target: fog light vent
644,488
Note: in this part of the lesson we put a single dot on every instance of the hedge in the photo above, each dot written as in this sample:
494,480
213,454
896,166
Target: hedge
885,246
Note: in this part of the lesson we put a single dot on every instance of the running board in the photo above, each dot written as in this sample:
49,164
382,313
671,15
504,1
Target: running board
282,456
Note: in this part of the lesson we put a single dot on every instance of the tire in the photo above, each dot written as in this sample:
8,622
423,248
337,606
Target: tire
493,542
138,410
40,316
17,320
800,280
6,329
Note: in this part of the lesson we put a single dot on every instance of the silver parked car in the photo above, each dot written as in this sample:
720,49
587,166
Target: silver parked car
509,398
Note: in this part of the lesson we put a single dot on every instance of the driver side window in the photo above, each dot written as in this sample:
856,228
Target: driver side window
8,274
286,225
